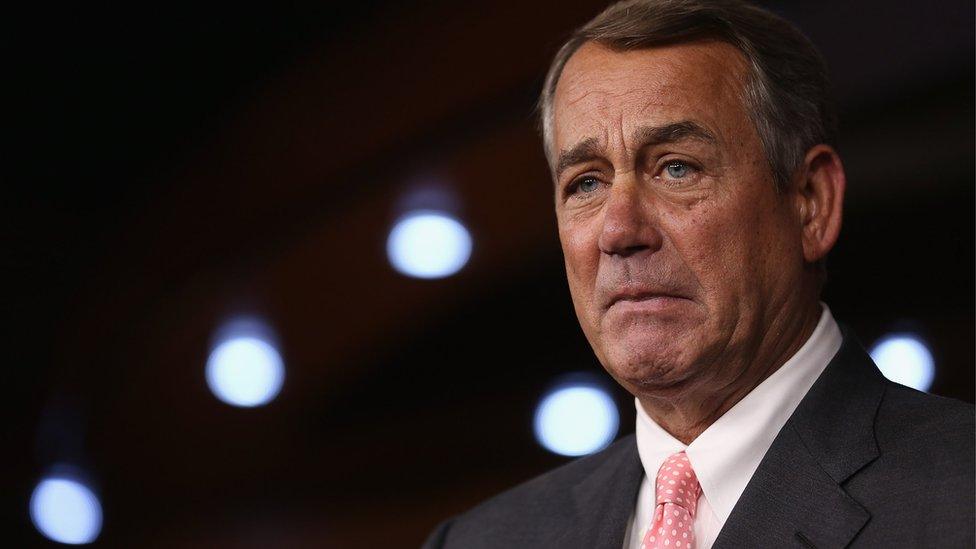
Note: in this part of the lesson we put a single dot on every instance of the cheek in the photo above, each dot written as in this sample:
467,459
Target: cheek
580,251
582,258
713,242
735,252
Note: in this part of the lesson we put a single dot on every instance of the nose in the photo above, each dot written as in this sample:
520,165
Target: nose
629,221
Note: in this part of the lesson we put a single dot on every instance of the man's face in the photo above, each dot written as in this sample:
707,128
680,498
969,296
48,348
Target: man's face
679,251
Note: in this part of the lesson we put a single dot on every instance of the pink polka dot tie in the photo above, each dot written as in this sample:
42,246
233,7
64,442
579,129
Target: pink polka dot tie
677,499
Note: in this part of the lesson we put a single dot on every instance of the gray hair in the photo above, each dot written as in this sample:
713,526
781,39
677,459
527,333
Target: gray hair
787,91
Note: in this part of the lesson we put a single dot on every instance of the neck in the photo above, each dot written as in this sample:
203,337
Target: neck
687,415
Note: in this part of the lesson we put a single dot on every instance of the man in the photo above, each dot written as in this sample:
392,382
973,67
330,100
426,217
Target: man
697,197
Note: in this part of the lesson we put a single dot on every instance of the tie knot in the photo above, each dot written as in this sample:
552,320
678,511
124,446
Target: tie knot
678,484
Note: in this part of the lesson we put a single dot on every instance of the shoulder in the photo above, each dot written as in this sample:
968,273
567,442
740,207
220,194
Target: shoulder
910,420
550,491
920,487
924,440
544,504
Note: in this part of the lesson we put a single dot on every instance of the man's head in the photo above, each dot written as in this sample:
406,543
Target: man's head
696,196
787,90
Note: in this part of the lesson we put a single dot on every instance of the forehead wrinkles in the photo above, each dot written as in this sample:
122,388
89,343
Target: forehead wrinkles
604,90
603,98
598,109
596,85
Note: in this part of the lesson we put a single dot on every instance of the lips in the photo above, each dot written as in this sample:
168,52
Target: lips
638,296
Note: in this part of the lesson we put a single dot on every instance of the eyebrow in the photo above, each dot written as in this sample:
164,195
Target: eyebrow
590,149
671,133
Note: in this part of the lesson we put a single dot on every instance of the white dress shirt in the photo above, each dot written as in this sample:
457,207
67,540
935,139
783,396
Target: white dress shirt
727,453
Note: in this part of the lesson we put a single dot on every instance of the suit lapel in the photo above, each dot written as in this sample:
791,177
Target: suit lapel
796,497
605,500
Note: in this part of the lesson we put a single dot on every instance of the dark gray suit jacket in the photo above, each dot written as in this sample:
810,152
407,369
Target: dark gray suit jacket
862,462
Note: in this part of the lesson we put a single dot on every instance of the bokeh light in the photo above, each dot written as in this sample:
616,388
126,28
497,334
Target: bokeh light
66,511
245,369
428,244
904,358
576,419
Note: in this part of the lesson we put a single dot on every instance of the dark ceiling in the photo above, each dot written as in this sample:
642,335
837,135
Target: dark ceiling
175,167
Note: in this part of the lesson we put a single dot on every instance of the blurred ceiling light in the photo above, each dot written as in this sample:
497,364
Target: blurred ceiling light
244,368
428,244
66,511
576,419
905,359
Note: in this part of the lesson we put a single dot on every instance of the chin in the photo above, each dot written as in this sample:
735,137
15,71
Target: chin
650,366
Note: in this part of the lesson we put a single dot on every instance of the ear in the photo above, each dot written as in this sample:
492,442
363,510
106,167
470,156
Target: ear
819,198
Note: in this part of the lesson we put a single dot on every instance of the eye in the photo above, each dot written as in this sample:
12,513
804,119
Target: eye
677,169
588,184
584,187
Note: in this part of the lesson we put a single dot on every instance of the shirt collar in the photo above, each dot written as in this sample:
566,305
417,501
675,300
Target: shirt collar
727,453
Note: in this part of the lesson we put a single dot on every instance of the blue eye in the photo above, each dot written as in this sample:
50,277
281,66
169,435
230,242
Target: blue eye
588,184
677,169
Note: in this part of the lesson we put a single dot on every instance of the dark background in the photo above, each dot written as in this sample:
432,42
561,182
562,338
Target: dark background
173,167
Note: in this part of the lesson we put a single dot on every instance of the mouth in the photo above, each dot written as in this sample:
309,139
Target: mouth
646,299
